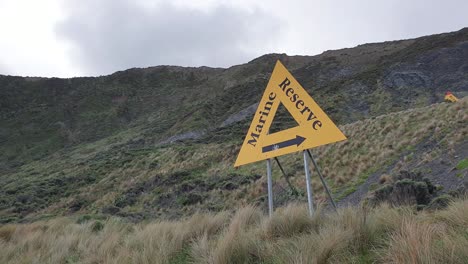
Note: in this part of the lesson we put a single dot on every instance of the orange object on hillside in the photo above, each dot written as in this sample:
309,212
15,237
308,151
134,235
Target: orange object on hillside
449,97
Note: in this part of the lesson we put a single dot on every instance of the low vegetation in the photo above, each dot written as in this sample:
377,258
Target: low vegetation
352,235
463,164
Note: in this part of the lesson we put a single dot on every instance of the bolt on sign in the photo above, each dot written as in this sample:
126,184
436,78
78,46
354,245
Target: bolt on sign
315,127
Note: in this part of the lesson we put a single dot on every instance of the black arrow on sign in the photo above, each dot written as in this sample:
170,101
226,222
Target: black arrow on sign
290,142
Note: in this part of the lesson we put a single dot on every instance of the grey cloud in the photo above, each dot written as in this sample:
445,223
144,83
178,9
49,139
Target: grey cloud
4,70
422,17
113,35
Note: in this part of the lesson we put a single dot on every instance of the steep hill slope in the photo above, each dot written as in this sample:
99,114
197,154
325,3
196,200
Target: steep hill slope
119,176
160,142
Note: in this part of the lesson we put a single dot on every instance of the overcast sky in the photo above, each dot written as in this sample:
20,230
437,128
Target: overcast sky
68,38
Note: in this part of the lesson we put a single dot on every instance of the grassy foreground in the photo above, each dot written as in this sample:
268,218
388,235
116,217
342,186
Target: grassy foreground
353,235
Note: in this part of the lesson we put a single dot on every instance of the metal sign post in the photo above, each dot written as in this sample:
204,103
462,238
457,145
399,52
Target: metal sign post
310,198
286,177
270,188
321,178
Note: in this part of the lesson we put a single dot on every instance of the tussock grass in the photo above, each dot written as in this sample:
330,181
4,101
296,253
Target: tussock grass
456,215
351,235
6,232
289,221
413,243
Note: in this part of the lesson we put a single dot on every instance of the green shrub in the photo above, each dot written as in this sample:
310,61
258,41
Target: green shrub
83,219
97,226
463,164
440,202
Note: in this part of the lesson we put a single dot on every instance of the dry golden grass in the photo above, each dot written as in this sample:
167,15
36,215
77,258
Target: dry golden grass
414,242
6,232
289,221
352,235
456,215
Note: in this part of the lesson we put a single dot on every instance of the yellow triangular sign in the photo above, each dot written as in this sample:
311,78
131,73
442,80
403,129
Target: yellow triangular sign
315,127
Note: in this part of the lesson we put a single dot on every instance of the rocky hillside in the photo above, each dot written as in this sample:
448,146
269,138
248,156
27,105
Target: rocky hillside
160,141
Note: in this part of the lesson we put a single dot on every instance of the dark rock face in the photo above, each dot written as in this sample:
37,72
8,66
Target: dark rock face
404,79
240,116
110,210
432,72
